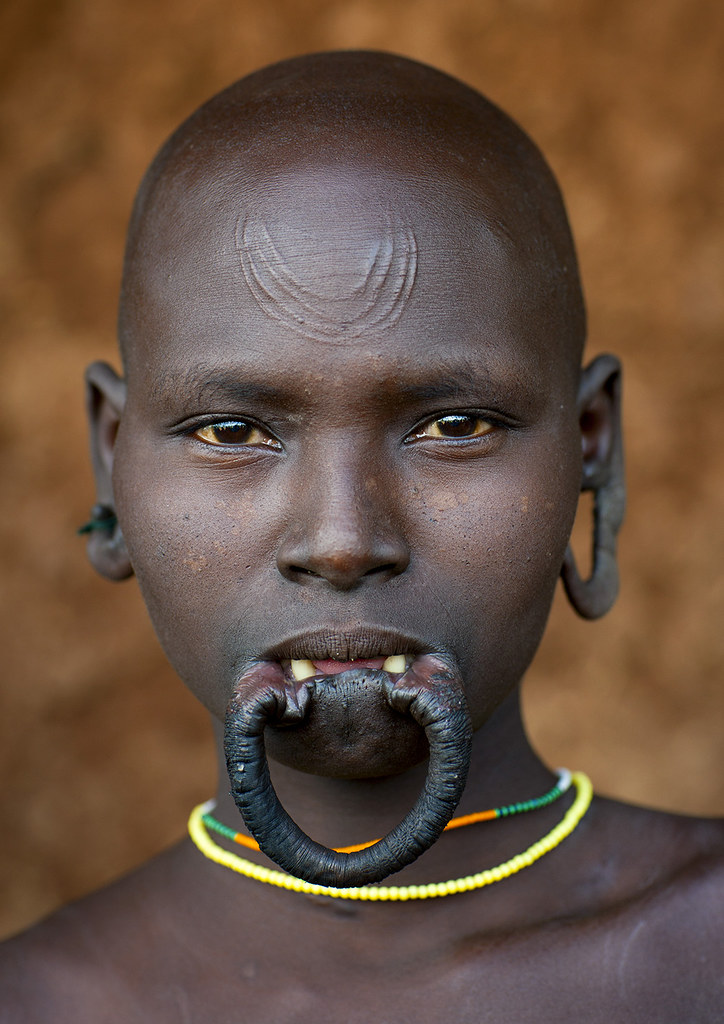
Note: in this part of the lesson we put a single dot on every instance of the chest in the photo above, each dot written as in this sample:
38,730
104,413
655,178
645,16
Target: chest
568,973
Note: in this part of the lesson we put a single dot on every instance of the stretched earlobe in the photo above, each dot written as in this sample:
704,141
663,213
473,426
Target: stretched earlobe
600,419
105,399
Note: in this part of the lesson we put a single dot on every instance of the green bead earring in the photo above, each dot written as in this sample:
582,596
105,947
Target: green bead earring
102,517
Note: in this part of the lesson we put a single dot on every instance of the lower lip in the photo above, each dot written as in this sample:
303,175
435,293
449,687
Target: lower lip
332,668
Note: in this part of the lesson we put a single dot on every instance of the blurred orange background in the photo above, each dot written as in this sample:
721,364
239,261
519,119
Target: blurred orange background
102,752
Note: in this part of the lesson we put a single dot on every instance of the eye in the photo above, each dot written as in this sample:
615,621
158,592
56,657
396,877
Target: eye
235,433
455,426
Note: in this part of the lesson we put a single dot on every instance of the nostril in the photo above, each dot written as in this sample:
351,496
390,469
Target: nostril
342,558
389,567
342,576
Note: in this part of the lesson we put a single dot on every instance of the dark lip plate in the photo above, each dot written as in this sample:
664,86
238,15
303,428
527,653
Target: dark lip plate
346,644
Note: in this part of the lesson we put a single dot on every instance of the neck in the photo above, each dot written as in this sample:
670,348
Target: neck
340,812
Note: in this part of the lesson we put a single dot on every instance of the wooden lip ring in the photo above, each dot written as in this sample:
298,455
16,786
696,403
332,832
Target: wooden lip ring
436,701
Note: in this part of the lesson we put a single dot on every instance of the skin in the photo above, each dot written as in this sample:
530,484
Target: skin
394,376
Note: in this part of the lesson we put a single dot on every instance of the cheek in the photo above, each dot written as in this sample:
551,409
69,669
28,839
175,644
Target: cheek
197,560
497,546
500,520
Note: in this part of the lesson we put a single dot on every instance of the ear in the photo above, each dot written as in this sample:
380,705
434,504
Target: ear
599,410
105,399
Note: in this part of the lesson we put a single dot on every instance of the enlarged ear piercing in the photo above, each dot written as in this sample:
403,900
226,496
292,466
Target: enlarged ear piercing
102,517
594,596
602,474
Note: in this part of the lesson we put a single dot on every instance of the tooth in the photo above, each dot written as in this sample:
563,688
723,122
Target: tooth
303,669
395,663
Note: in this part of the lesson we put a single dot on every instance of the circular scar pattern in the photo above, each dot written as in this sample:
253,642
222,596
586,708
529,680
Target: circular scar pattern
322,293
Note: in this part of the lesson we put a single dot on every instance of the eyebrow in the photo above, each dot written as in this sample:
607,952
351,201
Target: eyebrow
450,387
464,377
207,385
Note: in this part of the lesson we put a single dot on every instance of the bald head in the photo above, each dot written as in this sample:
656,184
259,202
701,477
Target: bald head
384,138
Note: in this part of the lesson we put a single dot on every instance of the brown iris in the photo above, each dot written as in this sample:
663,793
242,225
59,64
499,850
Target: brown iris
235,432
455,426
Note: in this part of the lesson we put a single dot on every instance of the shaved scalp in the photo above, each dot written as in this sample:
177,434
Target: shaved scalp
377,111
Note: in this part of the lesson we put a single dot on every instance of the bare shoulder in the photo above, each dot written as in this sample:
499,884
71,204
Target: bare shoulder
671,942
47,968
630,927
688,905
78,963
650,854
662,935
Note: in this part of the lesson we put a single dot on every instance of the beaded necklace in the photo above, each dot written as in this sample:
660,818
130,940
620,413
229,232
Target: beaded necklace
572,817
562,785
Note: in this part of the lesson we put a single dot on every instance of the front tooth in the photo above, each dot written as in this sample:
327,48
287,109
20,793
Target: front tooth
303,669
395,663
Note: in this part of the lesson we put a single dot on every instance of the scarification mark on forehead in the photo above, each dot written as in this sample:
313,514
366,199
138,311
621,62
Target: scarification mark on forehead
369,289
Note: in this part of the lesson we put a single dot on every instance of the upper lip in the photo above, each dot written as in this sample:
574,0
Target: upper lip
339,644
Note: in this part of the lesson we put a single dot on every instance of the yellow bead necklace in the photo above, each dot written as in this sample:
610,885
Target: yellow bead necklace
572,817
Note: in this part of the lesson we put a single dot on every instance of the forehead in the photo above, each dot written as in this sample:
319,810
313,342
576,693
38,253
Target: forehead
331,231
330,253
232,260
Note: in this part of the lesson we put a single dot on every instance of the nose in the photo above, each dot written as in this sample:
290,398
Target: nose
341,530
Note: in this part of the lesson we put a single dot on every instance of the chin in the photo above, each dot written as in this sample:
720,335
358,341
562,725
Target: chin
350,733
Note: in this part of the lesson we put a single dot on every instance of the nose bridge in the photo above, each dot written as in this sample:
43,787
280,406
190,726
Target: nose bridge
341,529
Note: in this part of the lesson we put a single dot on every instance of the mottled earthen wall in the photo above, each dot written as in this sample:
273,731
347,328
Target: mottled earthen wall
101,751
